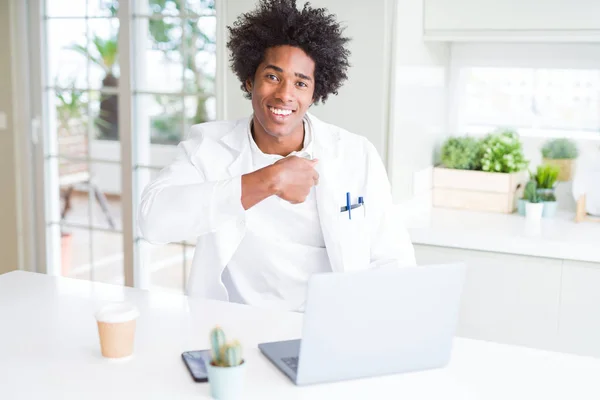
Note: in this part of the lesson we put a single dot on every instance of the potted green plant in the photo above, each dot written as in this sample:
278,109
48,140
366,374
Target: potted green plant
503,152
227,367
562,153
462,153
481,174
546,177
534,207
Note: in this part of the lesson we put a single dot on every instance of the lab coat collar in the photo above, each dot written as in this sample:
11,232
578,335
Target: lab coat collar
324,143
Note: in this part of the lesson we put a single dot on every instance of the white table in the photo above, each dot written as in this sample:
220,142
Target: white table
49,349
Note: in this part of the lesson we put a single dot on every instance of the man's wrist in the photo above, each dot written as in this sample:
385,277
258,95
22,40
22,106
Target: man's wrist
270,177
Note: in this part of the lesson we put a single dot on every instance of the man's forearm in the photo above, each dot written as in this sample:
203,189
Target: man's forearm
258,185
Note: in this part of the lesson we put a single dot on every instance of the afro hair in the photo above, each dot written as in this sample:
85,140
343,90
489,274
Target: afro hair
279,22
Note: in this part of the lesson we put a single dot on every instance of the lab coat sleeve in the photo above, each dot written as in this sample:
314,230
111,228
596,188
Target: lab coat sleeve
181,204
390,240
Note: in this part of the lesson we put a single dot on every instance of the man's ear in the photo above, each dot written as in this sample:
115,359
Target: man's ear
248,85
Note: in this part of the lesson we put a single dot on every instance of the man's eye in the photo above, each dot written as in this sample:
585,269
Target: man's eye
272,77
302,84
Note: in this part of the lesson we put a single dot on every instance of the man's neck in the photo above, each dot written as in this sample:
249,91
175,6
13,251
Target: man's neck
280,146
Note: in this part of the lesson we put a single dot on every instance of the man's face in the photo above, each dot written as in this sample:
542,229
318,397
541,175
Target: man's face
282,90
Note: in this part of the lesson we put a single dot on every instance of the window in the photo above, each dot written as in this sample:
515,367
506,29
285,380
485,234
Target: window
544,98
118,78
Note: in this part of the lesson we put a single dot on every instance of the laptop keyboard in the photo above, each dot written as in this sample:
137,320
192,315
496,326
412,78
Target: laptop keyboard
291,362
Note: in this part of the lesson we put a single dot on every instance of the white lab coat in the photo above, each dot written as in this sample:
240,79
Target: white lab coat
192,197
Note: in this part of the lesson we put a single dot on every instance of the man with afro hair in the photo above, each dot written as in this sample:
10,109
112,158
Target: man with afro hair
276,197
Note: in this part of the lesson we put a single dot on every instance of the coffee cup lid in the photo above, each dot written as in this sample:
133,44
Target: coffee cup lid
117,312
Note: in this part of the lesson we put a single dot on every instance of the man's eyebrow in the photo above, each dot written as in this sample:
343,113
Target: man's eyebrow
298,74
276,68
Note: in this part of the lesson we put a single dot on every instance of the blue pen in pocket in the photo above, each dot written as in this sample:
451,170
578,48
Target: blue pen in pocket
361,202
348,207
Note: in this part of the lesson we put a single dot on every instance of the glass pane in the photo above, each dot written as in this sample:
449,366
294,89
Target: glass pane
160,7
199,109
568,99
65,8
102,51
499,96
105,191
71,123
200,53
92,255
103,8
108,257
90,196
200,7
105,113
67,54
72,192
166,264
160,119
76,256
160,67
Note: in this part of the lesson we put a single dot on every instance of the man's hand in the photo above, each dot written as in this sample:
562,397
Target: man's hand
295,176
290,178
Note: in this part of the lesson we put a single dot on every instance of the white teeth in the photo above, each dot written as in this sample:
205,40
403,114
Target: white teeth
280,111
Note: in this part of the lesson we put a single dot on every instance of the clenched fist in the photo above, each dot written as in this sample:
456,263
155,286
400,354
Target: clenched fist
295,177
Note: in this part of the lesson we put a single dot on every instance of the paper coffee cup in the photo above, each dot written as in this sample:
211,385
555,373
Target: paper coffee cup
116,328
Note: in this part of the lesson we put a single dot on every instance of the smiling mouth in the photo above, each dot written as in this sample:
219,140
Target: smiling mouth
280,112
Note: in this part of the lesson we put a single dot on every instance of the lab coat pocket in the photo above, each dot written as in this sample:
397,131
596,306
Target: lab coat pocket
354,239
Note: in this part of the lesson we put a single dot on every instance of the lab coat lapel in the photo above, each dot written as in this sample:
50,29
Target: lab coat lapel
237,140
325,150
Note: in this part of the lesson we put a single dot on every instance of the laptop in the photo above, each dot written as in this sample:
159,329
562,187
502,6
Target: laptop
370,323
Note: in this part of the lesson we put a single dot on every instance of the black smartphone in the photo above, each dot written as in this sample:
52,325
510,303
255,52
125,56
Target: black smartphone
196,363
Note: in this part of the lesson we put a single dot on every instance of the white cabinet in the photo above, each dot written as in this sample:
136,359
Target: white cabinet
526,19
506,298
579,327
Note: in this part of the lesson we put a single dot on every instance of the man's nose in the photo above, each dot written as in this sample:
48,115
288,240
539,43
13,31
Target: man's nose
285,91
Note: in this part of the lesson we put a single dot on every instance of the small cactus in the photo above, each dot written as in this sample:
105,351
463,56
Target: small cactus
224,354
531,192
232,354
217,342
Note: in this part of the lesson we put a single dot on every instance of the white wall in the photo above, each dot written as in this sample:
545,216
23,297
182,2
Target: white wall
362,105
418,101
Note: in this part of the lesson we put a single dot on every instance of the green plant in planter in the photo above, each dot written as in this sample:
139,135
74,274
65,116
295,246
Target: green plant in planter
547,176
531,194
224,354
462,153
560,149
503,152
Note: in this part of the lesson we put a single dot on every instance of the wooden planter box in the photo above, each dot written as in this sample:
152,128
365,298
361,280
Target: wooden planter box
477,190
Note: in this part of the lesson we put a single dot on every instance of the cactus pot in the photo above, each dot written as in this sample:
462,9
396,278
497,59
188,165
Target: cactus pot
226,383
533,211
